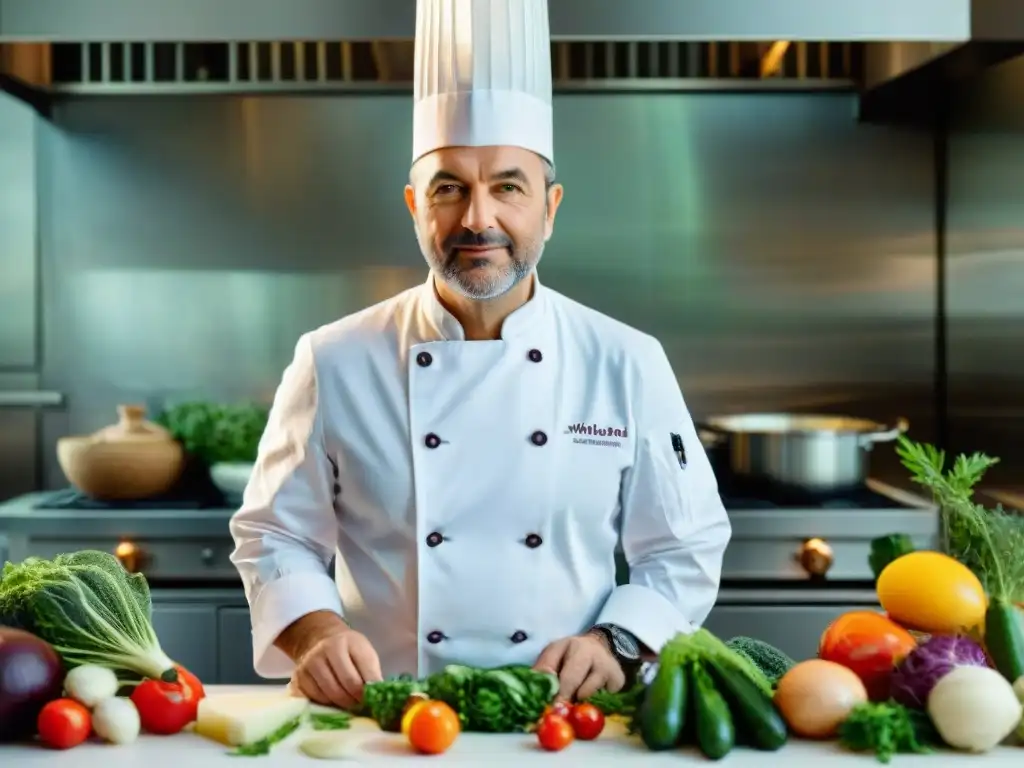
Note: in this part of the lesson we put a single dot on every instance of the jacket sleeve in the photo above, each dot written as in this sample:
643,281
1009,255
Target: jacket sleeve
285,532
674,526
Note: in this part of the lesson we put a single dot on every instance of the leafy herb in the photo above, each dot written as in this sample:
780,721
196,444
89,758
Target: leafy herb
623,703
330,721
215,432
264,745
887,728
90,609
502,700
988,541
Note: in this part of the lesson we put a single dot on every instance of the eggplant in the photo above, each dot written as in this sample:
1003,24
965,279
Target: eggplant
31,676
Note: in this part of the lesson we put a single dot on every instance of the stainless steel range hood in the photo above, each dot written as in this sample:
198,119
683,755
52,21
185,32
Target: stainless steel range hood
267,20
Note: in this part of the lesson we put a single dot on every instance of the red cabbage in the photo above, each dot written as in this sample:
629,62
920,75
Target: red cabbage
915,676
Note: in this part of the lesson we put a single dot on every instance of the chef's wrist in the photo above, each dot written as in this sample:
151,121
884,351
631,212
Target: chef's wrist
303,634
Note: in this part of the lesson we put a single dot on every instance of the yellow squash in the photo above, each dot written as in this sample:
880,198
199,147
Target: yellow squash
932,592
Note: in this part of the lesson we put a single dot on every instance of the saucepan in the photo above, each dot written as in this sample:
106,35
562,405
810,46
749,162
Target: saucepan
814,452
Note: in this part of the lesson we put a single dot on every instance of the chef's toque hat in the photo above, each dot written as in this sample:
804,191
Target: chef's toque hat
482,75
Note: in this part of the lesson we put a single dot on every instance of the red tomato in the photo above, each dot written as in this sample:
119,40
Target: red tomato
560,708
554,733
166,708
63,724
870,644
587,721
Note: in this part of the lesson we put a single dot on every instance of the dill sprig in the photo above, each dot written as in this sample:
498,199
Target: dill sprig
988,541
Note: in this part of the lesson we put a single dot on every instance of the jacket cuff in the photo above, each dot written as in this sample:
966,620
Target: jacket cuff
644,613
280,603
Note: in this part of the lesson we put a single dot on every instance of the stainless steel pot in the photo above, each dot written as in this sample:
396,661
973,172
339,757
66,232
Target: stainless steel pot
814,452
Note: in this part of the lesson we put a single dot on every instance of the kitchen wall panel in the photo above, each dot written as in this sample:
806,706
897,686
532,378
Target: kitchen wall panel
986,271
782,252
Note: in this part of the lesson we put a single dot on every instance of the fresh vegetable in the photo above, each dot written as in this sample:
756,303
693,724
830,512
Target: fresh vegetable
263,746
30,677
816,696
989,542
663,714
624,702
90,684
772,662
932,592
166,708
560,707
64,723
554,733
974,708
918,673
587,721
331,745
410,713
754,713
713,725
434,728
887,728
1018,690
869,644
116,720
90,609
1004,638
503,700
885,549
215,432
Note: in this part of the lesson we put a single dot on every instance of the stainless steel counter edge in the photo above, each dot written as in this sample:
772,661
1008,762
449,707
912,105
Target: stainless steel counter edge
19,516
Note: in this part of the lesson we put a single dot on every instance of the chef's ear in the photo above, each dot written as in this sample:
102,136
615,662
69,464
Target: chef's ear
410,200
554,194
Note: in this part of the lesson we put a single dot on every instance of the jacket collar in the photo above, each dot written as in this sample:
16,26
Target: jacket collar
527,320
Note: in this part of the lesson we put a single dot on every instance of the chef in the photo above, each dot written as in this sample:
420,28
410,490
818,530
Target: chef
471,452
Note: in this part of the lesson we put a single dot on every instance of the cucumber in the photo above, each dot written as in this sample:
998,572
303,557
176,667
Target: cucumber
754,713
716,733
1004,638
662,714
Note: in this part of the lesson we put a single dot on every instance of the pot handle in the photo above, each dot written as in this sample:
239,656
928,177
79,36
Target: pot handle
869,439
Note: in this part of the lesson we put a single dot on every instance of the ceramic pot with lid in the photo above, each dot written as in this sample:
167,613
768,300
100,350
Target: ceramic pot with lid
132,459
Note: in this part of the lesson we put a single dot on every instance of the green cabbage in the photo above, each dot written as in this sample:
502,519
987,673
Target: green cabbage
90,609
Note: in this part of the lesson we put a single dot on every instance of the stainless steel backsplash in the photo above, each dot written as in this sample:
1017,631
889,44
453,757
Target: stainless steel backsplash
986,271
782,252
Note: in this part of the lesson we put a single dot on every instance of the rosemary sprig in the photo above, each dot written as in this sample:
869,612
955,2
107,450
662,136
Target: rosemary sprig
988,541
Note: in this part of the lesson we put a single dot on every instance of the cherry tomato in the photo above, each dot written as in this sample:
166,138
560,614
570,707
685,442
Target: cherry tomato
560,708
587,721
434,728
166,708
410,713
63,724
555,733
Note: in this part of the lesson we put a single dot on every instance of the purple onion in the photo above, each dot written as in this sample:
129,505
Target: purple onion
915,676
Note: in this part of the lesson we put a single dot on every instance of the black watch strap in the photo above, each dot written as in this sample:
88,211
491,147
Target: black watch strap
624,644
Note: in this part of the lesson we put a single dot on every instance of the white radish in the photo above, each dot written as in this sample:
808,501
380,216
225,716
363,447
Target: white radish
974,708
116,720
90,684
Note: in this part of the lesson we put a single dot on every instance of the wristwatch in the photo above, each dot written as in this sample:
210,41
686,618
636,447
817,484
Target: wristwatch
623,644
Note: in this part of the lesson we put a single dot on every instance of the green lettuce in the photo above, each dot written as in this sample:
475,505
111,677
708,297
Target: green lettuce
90,609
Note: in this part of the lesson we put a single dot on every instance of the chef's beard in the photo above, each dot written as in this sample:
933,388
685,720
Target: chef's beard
482,281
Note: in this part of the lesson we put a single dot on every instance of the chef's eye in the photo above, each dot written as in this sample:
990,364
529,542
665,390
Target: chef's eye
509,189
447,189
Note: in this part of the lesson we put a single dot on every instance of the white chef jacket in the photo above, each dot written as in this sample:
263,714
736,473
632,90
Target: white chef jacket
475,491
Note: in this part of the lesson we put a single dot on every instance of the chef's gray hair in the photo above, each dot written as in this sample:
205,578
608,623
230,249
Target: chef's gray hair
549,174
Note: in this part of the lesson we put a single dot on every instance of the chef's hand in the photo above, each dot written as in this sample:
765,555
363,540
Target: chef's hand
335,667
584,664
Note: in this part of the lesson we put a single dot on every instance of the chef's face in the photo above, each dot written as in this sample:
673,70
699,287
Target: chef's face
482,215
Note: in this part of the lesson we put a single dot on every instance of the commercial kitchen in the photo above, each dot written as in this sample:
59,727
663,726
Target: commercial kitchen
816,213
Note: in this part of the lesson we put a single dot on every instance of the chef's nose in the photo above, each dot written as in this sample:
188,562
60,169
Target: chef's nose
479,215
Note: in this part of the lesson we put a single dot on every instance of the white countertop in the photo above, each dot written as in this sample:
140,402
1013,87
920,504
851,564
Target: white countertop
375,748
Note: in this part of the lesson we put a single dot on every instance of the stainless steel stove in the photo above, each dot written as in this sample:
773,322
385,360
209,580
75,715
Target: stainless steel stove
797,561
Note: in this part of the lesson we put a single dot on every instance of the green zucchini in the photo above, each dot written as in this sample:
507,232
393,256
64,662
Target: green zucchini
662,714
1004,638
755,715
716,733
